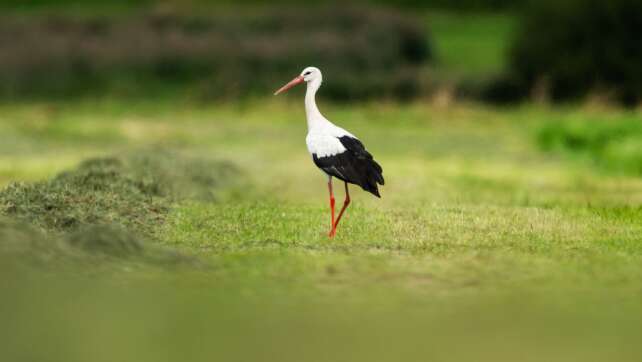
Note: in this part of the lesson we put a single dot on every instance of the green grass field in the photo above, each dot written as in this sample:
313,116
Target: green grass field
482,247
502,234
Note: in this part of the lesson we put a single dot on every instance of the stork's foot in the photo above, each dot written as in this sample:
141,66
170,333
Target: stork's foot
332,233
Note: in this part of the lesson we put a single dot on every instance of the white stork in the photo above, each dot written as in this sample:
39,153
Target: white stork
334,150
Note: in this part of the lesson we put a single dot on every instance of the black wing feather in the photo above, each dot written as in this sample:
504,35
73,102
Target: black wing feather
356,165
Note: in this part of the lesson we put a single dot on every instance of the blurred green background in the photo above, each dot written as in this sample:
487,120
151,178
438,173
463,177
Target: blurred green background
158,203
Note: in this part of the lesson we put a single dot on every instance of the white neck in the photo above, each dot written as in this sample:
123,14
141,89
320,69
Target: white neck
315,118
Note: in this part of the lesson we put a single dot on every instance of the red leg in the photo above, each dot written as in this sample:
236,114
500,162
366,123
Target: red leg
331,207
346,202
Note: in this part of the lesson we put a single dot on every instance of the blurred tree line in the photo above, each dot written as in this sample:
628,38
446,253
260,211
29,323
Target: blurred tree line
443,4
562,50
367,51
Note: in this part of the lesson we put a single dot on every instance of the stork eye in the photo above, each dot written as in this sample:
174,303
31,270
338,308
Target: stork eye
307,73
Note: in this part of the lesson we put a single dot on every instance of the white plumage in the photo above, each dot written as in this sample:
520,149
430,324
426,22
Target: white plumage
323,144
323,136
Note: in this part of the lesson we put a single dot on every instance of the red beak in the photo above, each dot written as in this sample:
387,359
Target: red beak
292,83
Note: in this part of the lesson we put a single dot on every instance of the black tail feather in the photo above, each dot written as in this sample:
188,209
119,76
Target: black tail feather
378,173
372,177
373,190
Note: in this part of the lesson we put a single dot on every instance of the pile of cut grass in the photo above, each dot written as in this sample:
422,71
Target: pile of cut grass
107,205
134,192
100,191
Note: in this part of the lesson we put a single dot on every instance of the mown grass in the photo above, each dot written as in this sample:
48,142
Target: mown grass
483,246
133,191
107,207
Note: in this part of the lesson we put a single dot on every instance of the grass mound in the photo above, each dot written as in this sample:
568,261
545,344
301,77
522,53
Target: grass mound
106,207
178,177
133,192
107,240
99,191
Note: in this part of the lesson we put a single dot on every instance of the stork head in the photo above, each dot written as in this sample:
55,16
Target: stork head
309,74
